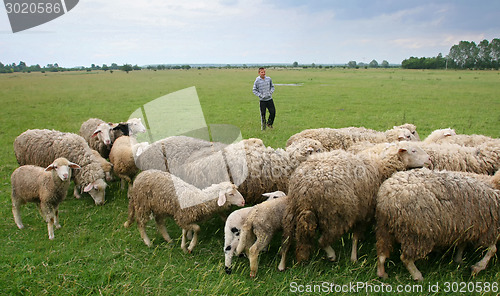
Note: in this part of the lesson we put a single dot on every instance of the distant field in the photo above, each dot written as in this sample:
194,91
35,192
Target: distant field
94,254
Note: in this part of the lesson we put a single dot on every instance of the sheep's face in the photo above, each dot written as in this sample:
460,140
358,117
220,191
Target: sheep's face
414,157
135,126
103,133
231,196
62,167
97,190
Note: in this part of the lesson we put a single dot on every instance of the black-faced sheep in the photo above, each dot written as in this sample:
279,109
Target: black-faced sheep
41,147
334,192
46,187
165,195
343,138
423,210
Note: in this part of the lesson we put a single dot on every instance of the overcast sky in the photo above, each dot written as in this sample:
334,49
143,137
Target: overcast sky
249,31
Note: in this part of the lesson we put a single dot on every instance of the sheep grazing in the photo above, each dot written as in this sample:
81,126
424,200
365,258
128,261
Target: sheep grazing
423,210
343,138
163,194
262,222
40,147
232,229
335,192
46,187
97,133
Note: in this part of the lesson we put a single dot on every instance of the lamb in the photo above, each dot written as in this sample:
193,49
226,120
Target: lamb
163,194
97,133
46,187
423,210
343,138
262,222
232,229
335,192
40,147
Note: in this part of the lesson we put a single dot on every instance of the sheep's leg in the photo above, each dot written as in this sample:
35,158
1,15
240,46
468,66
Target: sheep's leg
144,236
354,249
476,268
160,224
285,245
17,214
410,265
381,267
194,241
459,253
330,253
385,241
253,253
56,219
230,245
49,217
76,192
183,241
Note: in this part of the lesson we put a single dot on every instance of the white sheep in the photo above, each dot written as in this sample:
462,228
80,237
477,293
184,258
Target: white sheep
343,138
232,229
448,136
40,147
262,222
424,210
131,127
165,195
335,192
46,187
97,133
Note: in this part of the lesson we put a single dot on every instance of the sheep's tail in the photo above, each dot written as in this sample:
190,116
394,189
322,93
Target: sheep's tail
304,234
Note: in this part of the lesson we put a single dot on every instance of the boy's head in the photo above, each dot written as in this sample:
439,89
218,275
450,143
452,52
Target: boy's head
262,72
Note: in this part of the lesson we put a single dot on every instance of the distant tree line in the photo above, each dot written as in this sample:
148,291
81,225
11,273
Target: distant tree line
22,67
464,55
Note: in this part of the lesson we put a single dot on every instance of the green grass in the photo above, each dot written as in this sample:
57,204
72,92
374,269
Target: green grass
94,254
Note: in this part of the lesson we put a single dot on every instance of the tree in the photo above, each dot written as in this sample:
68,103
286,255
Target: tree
295,64
373,64
385,64
126,67
351,64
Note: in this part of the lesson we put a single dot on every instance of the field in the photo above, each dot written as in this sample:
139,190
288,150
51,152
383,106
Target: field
94,254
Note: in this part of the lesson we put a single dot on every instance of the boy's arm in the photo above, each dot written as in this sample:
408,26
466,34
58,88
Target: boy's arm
255,89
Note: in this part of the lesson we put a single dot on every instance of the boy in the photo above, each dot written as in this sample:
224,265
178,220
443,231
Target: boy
263,88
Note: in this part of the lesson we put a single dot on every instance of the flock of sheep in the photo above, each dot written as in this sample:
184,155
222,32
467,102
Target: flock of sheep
439,192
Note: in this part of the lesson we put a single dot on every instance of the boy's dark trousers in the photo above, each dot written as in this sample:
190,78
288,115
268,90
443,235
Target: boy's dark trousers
269,105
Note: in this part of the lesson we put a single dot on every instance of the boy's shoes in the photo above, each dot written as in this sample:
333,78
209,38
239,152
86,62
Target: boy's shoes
270,125
262,126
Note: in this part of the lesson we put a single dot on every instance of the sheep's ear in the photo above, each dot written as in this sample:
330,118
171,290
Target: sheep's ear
88,187
49,168
401,150
74,165
222,198
96,132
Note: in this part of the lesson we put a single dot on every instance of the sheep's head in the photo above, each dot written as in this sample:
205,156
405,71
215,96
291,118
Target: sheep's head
97,190
62,167
135,126
413,156
230,196
302,149
102,132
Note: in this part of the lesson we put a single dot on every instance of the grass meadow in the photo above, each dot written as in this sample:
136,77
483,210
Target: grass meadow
93,254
